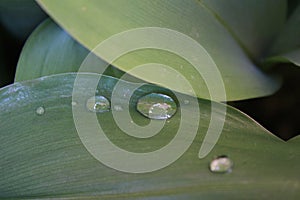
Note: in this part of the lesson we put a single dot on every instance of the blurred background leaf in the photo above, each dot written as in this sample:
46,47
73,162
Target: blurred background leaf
287,46
254,24
279,112
50,50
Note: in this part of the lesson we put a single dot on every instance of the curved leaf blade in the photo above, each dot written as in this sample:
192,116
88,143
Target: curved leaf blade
290,57
241,77
254,24
50,50
288,39
43,157
293,56
286,47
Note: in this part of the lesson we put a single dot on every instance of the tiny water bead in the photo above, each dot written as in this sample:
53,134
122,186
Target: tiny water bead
118,108
98,104
221,164
157,106
186,102
40,110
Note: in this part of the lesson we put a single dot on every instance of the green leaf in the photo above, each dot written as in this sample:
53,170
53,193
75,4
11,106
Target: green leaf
293,56
92,22
50,50
42,156
286,47
290,57
254,23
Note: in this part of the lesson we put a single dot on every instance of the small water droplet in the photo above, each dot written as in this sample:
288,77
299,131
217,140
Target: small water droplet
221,164
127,93
98,104
74,103
118,108
157,106
186,101
40,110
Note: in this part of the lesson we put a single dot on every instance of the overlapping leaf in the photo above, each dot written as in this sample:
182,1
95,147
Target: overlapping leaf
50,50
287,46
254,24
92,22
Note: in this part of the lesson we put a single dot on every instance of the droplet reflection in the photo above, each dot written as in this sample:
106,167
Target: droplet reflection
221,164
98,104
40,110
157,106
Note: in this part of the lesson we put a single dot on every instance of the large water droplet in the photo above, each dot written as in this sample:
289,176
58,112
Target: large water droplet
157,106
40,110
98,104
221,164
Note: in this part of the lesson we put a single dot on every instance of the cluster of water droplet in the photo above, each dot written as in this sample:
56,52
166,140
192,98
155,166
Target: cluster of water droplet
153,106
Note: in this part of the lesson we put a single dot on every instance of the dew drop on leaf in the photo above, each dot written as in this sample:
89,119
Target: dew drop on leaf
98,104
221,164
157,106
186,102
40,110
118,108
